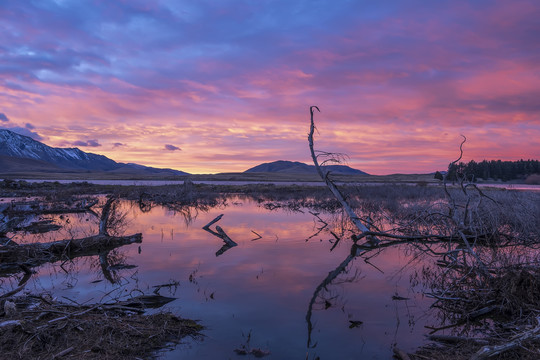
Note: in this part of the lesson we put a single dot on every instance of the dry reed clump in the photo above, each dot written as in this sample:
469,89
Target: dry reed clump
57,330
517,291
491,217
510,294
496,308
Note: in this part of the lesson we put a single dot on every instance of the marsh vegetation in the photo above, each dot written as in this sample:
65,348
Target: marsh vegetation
467,263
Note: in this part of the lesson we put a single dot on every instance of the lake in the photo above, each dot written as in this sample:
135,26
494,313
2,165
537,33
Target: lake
257,292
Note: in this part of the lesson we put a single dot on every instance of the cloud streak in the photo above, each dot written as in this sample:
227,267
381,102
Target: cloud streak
396,82
171,147
87,143
24,131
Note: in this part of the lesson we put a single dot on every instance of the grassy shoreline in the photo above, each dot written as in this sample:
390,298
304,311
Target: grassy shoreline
239,177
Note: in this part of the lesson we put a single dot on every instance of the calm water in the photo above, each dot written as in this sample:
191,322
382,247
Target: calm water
261,288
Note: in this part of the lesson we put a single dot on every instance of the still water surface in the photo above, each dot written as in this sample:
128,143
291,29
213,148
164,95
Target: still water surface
260,289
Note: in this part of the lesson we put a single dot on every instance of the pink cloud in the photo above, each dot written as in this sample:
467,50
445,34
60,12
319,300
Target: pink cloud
396,85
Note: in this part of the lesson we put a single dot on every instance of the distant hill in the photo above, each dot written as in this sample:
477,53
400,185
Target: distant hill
296,167
19,153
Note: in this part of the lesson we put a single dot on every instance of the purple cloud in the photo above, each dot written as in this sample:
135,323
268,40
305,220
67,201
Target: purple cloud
171,147
389,66
89,143
26,132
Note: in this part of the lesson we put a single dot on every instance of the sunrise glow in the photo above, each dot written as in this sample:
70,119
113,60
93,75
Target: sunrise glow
207,87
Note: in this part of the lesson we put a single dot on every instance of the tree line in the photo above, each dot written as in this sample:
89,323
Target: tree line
494,169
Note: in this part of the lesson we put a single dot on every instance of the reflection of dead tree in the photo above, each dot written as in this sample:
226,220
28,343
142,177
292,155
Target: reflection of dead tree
258,236
220,233
104,263
144,206
111,219
319,229
332,275
110,270
356,251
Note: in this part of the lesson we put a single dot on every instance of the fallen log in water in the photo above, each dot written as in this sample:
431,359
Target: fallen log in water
220,233
16,257
32,255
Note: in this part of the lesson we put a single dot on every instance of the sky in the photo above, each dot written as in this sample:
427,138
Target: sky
224,85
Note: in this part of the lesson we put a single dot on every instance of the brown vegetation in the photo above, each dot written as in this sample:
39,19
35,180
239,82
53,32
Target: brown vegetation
40,327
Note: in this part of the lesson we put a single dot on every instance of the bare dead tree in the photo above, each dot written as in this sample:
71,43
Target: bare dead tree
325,175
454,227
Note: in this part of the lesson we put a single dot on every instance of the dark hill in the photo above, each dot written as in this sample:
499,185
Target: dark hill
295,167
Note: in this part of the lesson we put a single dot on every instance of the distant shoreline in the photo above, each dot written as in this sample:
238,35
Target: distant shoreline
278,181
236,177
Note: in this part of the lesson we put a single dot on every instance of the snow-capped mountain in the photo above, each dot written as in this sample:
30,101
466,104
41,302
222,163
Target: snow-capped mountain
20,146
13,144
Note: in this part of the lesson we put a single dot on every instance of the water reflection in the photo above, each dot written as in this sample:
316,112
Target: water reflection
263,288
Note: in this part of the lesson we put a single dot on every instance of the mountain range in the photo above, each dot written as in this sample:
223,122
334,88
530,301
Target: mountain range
22,154
19,153
296,167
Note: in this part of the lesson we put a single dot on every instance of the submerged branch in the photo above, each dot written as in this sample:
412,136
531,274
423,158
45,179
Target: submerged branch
220,233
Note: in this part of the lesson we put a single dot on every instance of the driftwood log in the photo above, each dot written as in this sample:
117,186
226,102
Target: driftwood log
17,257
32,255
220,233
